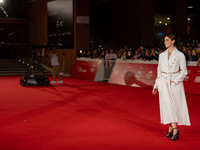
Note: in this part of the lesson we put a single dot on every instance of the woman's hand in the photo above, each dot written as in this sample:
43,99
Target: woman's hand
154,91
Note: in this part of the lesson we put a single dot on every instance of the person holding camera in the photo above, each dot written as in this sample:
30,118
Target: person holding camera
55,65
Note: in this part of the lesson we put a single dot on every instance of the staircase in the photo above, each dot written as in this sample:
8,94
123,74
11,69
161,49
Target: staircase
14,67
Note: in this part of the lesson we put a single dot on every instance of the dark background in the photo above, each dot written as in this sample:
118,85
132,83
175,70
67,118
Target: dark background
60,24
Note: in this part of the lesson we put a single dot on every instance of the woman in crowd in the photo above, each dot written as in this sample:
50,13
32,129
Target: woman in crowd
154,54
169,82
147,55
136,56
95,54
102,55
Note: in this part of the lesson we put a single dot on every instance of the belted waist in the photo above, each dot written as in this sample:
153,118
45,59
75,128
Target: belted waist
170,72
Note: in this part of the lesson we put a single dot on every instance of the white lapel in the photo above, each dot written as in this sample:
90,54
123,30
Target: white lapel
173,56
166,58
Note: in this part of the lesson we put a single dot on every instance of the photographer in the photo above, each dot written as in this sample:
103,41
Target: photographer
55,64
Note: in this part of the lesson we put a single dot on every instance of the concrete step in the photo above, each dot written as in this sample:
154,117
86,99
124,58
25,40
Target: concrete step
12,67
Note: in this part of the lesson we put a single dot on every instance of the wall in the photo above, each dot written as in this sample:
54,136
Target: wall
179,19
194,27
133,22
37,16
82,28
38,29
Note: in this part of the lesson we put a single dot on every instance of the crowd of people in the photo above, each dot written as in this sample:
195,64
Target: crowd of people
191,51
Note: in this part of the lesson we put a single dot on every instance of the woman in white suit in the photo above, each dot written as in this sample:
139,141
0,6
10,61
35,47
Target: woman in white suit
169,82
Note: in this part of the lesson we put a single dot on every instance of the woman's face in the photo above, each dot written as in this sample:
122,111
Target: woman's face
168,42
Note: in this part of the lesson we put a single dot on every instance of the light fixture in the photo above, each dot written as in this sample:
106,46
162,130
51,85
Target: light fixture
188,19
1,1
168,18
190,6
160,22
166,24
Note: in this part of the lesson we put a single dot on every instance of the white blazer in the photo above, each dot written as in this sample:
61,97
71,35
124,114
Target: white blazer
173,106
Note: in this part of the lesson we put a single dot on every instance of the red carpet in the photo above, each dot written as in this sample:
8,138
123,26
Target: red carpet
84,115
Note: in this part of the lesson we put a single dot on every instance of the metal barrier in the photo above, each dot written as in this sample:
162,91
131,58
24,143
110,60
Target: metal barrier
108,67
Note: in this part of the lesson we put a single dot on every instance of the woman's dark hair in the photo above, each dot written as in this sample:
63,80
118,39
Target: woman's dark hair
171,36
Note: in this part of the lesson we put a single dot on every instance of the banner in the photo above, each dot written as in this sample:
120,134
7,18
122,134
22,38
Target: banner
143,74
133,74
88,69
192,80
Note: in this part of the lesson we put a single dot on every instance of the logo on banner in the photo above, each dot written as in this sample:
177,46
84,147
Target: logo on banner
130,74
149,74
197,79
129,78
92,69
138,74
80,69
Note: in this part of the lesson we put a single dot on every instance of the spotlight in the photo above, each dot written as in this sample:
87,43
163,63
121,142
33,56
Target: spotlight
1,1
